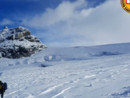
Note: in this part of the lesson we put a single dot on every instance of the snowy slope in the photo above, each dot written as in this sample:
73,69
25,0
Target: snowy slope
83,53
76,72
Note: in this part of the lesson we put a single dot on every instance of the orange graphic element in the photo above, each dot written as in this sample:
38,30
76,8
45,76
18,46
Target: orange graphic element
126,5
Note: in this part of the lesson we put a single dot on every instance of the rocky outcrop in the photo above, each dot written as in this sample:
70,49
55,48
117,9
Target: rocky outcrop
18,42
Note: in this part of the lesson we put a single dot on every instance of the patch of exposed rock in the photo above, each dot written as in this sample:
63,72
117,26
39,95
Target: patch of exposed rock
18,42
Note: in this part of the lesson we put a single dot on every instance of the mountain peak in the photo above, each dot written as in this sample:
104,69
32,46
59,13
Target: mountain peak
5,27
18,42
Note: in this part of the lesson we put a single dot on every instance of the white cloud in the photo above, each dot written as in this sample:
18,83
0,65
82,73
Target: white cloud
64,12
78,25
6,22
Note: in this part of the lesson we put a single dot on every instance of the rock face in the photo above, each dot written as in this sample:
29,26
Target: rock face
18,42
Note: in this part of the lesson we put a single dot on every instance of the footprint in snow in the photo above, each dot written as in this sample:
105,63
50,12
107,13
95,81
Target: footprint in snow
10,64
89,85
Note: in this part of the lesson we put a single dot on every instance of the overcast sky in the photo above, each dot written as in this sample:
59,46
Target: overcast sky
65,23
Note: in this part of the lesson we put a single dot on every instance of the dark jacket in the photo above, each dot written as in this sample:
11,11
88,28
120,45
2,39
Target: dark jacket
2,89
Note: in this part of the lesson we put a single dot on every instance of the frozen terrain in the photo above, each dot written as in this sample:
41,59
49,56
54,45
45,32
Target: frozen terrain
76,72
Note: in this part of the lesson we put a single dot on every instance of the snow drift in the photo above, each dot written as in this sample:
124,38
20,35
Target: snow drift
83,53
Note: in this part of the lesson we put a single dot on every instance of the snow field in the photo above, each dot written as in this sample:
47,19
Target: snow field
69,76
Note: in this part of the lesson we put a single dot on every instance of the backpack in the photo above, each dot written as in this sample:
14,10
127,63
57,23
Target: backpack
0,86
5,86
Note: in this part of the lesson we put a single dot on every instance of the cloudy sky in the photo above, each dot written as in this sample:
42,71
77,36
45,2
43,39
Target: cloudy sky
63,23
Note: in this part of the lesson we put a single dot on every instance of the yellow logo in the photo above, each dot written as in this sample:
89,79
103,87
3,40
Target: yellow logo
126,5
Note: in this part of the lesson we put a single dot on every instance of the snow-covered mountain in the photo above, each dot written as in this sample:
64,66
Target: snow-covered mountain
74,72
18,42
83,53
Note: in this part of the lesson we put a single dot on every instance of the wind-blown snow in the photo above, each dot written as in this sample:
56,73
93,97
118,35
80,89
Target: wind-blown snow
77,72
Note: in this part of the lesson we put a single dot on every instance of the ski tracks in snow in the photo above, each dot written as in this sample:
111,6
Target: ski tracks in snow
58,91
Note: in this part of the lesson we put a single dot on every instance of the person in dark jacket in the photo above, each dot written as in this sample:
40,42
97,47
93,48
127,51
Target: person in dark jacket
3,87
